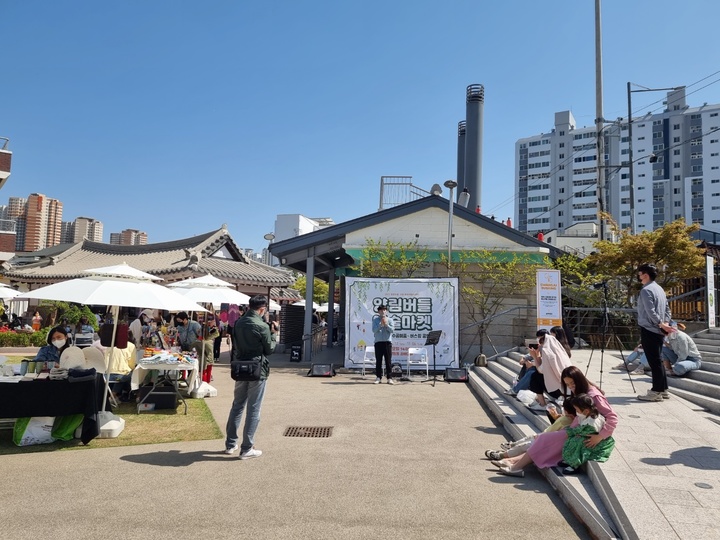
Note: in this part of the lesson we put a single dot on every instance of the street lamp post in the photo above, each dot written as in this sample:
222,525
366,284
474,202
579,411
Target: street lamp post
450,184
631,176
269,237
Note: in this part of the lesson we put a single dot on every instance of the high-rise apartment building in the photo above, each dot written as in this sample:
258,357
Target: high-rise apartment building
87,228
129,237
676,162
43,218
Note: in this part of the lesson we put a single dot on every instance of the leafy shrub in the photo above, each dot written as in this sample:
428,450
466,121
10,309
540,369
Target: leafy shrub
23,339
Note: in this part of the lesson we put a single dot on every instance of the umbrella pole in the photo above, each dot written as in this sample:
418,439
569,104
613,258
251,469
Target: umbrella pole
115,310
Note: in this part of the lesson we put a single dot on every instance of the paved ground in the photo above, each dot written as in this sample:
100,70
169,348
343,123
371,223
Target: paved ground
402,462
665,470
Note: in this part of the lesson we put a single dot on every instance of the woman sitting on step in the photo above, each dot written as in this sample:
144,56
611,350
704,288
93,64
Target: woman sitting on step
550,360
516,448
546,450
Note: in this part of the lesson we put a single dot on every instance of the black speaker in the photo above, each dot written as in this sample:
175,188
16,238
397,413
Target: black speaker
321,370
456,374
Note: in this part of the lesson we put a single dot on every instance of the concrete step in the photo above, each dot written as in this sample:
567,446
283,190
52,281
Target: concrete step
695,387
537,418
708,403
706,375
713,367
710,357
577,491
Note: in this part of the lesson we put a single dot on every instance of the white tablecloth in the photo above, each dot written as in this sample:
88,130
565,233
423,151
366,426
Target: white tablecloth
140,371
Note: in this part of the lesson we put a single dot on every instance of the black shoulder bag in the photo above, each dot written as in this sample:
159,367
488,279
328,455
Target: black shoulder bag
246,370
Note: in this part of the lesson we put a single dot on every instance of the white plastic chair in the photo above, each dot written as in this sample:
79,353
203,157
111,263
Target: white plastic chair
83,340
418,356
368,358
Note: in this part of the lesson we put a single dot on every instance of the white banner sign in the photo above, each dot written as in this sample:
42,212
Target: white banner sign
416,306
710,270
549,300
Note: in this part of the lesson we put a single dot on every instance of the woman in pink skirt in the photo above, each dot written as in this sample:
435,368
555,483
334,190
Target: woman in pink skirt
546,451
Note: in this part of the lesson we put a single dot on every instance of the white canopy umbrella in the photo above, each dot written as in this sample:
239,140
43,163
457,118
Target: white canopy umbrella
301,303
324,308
115,286
210,290
7,293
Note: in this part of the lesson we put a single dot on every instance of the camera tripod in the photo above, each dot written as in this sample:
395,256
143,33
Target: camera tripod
607,323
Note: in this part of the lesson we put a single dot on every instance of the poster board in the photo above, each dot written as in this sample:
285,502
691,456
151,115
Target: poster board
549,299
710,274
416,306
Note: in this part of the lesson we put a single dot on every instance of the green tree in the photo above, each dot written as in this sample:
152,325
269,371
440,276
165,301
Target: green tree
671,248
67,310
391,259
487,280
320,288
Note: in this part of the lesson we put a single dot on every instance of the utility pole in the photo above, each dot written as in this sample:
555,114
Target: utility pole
599,121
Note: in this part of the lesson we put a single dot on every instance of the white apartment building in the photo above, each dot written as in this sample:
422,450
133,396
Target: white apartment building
292,225
676,161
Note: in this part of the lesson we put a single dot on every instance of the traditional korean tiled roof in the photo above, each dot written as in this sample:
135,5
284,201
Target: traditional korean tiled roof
211,253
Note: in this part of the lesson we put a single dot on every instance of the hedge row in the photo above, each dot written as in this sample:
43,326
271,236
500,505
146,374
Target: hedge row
22,339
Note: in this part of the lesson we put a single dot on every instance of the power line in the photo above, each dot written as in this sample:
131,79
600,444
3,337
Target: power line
572,155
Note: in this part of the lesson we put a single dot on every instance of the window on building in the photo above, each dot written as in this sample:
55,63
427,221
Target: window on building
676,152
676,139
676,165
676,126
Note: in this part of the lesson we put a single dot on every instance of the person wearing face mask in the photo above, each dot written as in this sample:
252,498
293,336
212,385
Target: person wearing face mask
547,449
57,342
591,422
189,331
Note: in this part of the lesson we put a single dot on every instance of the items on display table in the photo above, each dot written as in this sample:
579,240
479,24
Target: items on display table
172,364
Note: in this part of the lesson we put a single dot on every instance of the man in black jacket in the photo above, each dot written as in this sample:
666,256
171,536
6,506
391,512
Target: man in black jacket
252,337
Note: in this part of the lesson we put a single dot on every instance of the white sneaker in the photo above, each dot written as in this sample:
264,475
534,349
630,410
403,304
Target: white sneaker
390,381
230,451
377,380
252,453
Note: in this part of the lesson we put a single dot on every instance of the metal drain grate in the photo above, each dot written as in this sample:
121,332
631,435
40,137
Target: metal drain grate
297,431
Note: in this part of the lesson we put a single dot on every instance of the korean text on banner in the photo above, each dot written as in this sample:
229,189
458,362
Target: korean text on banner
549,301
416,306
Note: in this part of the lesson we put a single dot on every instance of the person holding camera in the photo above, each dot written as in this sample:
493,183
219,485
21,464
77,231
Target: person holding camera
383,328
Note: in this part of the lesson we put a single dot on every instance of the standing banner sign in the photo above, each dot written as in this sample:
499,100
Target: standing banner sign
416,307
710,271
549,299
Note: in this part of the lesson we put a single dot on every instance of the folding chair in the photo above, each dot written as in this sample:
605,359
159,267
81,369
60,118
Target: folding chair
368,358
418,356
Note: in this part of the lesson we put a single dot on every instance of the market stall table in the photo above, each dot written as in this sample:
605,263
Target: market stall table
55,398
167,363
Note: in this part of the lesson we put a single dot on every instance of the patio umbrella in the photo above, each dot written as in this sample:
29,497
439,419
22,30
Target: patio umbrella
210,290
6,293
301,303
324,308
115,286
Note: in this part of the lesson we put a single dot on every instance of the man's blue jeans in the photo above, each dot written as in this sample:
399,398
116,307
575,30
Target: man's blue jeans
682,367
248,393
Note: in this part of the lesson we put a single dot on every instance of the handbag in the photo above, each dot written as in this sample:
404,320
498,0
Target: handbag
246,370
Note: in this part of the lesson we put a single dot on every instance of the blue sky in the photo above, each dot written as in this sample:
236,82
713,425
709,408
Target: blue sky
175,117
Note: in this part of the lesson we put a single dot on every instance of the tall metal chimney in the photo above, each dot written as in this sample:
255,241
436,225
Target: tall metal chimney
474,105
461,157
